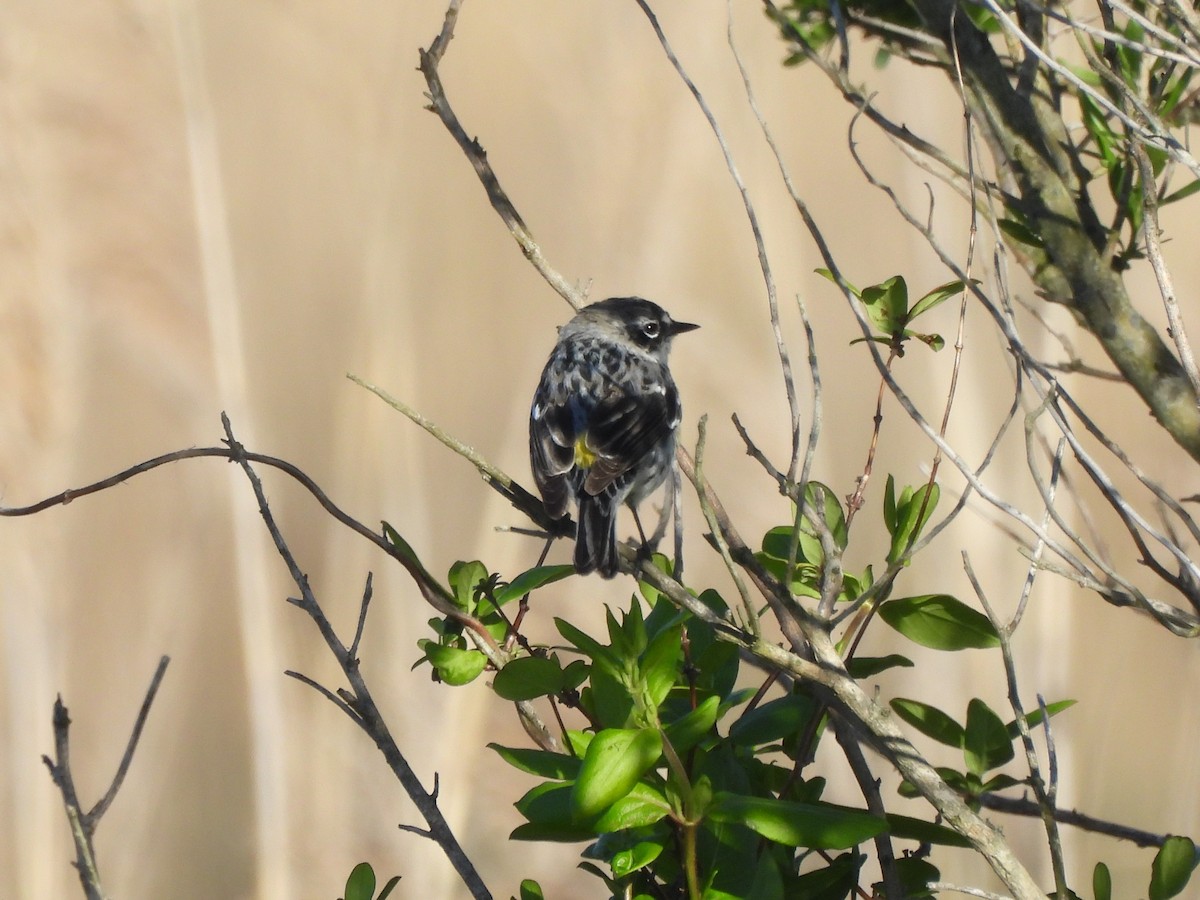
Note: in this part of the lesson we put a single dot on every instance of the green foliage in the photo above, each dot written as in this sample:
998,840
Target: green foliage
361,884
680,774
986,742
1172,868
678,771
886,306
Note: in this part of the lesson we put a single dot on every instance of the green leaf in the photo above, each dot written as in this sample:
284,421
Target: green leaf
912,514
690,729
531,580
828,510
641,807
777,542
640,855
1021,233
529,677
1172,867
543,763
1035,718
388,888
821,826
773,721
930,721
889,504
835,881
939,294
455,666
406,552
886,305
825,273
999,783
464,576
361,883
1101,882
547,806
869,666
586,644
531,890
940,622
924,832
615,760
934,342
987,744
661,662
1183,193
915,876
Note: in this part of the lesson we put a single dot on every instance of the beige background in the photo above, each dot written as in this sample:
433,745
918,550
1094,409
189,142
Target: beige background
228,205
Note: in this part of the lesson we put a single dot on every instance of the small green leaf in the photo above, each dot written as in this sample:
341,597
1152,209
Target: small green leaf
463,578
406,552
915,876
586,644
1021,233
826,510
913,511
1172,867
690,729
543,763
821,826
1035,718
615,760
999,783
825,273
886,305
641,807
455,666
547,806
924,832
661,662
388,888
361,883
531,580
934,342
940,622
1183,193
930,721
640,855
773,721
939,294
986,745
869,666
529,677
531,890
1101,882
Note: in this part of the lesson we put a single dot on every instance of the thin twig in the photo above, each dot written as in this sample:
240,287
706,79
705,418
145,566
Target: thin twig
361,703
785,361
83,825
471,148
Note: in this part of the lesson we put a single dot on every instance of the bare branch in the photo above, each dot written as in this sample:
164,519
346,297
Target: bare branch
473,150
83,825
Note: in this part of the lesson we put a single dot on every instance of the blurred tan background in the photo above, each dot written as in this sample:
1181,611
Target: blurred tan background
228,205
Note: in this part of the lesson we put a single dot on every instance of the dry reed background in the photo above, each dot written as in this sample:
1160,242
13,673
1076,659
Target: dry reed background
228,205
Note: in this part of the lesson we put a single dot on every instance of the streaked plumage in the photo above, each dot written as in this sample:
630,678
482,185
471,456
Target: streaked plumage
603,420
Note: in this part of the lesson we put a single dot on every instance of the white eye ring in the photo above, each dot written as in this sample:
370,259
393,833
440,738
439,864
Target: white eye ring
650,329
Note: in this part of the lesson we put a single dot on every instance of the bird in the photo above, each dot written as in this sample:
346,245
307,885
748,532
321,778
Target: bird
603,420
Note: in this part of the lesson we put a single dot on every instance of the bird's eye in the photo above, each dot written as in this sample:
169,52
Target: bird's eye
651,329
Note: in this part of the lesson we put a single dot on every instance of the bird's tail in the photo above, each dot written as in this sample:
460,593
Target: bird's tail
596,536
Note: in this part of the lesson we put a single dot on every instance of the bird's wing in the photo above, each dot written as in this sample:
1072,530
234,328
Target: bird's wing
623,429
552,453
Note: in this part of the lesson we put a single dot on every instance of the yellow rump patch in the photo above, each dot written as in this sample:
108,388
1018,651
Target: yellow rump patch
584,456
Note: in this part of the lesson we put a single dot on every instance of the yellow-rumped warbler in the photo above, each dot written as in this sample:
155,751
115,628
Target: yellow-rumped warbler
602,425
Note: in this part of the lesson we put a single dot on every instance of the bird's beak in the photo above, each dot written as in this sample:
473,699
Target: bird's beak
681,327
